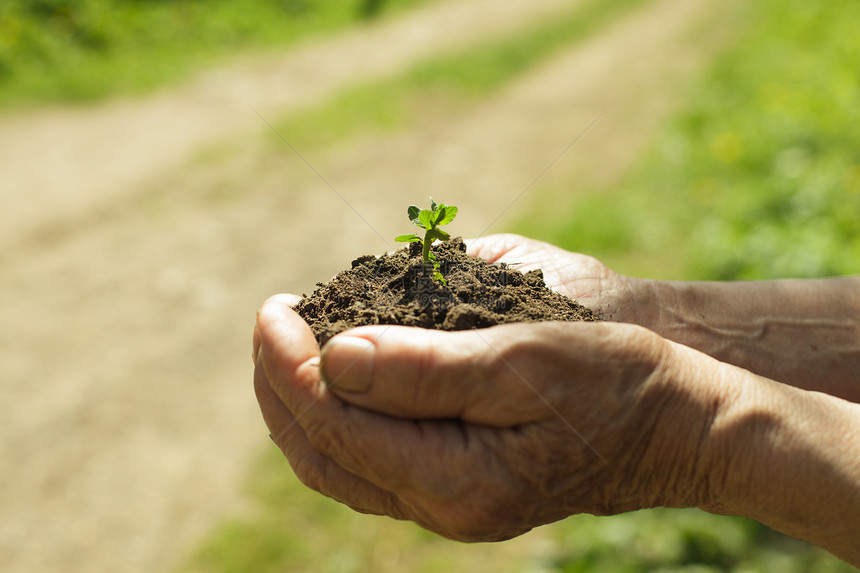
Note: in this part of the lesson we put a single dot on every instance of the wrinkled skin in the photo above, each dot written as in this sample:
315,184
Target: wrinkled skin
483,435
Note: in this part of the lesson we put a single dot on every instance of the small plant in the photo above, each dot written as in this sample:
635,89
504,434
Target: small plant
430,220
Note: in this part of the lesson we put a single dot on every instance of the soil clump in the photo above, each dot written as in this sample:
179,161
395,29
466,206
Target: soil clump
395,289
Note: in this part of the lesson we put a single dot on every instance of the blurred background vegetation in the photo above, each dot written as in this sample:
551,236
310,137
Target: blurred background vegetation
757,175
81,50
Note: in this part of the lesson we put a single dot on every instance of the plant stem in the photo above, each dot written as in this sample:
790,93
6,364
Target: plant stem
425,251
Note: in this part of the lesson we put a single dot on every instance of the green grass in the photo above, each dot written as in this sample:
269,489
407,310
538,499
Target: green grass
445,84
289,528
758,178
81,50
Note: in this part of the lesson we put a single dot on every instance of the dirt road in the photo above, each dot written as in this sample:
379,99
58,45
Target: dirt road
130,268
71,160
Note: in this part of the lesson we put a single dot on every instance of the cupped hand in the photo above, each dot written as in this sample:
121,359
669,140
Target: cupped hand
482,435
577,276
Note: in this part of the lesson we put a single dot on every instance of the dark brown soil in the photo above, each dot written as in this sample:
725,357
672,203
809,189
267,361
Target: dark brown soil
394,289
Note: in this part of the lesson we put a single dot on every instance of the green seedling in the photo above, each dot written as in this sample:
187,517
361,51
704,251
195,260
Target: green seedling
430,220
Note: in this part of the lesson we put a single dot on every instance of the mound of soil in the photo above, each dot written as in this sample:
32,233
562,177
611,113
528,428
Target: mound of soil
395,289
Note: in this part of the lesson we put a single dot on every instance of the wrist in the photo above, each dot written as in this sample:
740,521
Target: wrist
694,314
686,394
640,303
787,458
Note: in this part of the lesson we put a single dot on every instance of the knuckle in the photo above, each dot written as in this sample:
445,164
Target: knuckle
427,390
484,517
641,345
309,470
466,506
331,440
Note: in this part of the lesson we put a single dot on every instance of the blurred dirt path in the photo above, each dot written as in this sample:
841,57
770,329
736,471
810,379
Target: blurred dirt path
64,162
126,407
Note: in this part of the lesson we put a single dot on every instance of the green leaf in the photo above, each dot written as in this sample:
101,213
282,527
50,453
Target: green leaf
432,205
450,213
440,214
408,239
413,213
434,234
425,218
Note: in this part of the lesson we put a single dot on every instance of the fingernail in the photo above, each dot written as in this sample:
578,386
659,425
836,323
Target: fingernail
346,363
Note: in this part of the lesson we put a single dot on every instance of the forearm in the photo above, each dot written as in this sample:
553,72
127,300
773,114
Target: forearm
790,459
802,332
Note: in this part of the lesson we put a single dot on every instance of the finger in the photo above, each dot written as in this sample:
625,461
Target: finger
314,469
368,445
277,322
290,300
482,376
522,253
427,465
439,491
491,248
285,299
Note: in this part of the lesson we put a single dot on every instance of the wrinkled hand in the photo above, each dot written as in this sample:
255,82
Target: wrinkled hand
482,435
579,277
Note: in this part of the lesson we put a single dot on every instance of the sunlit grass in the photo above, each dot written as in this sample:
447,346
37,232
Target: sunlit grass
81,50
290,528
446,84
759,177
